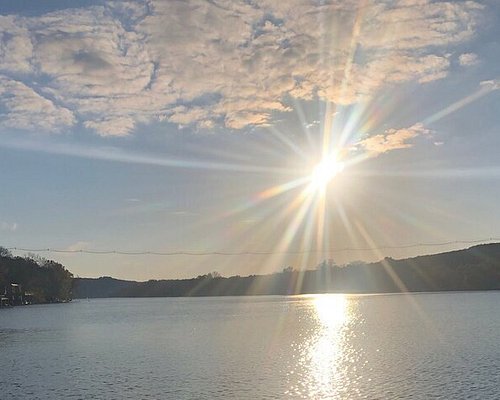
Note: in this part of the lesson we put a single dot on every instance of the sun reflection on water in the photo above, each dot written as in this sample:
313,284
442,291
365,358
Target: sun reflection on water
331,309
325,356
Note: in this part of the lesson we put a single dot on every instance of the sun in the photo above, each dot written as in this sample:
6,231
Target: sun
323,173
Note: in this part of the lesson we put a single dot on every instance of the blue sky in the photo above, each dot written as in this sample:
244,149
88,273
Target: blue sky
168,126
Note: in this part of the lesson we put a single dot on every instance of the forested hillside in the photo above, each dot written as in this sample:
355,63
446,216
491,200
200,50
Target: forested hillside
45,280
477,268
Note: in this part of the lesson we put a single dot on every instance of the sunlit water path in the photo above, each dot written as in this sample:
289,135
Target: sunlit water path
418,346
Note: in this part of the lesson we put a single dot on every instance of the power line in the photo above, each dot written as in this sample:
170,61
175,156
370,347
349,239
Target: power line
248,253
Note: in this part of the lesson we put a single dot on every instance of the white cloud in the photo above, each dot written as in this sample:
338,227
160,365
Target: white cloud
222,62
392,139
468,59
16,48
27,109
418,24
116,125
491,85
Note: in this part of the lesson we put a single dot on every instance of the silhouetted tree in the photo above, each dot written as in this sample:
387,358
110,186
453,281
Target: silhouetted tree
5,252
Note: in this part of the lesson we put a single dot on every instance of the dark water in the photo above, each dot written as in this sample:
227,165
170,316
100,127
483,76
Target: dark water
424,346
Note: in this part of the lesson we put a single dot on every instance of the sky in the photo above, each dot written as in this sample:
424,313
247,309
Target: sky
196,126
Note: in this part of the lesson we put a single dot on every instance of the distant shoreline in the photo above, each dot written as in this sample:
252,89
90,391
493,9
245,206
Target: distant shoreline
76,299
468,270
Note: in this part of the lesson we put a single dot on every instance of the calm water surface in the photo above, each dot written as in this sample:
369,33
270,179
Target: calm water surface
423,346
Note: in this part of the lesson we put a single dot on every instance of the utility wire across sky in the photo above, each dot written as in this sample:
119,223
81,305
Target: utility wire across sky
247,253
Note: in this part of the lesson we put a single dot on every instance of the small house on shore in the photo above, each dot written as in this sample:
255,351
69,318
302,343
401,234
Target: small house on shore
13,295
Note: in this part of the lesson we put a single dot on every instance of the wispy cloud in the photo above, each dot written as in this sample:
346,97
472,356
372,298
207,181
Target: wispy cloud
225,63
392,139
491,85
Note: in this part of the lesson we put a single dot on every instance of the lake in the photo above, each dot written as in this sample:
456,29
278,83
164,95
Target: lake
417,346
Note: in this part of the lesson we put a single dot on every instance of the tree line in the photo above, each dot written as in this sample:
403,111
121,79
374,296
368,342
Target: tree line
476,268
45,281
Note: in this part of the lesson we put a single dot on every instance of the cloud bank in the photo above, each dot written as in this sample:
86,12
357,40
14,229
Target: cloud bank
219,63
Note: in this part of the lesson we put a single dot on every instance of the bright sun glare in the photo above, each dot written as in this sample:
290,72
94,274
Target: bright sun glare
327,169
